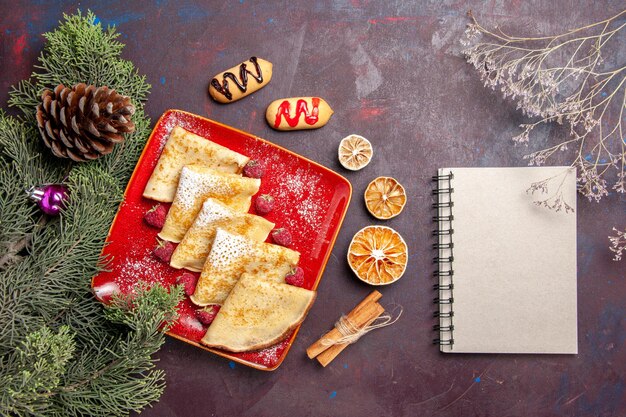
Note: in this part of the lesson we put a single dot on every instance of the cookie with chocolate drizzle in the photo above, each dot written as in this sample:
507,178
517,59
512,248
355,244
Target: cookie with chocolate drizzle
240,81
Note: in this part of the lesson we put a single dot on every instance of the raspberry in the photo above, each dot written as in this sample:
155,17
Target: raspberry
155,217
253,169
264,204
207,315
164,250
282,237
188,281
295,277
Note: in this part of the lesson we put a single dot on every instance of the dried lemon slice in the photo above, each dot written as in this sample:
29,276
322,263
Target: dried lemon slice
385,198
355,152
378,255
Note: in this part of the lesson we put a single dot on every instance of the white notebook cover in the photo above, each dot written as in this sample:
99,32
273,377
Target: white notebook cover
514,279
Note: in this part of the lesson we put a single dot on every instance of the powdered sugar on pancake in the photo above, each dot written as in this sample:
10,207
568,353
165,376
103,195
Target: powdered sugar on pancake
212,211
194,184
228,248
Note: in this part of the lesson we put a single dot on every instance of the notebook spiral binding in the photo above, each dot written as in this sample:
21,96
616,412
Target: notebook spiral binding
444,260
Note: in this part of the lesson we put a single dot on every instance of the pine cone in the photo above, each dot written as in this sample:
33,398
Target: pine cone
83,122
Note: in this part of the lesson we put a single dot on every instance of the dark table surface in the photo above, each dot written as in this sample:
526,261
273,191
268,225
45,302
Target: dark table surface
393,73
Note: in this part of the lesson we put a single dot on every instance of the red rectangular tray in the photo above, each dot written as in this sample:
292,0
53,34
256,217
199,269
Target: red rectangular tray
310,200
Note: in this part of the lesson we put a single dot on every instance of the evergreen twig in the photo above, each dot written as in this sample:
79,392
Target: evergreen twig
61,352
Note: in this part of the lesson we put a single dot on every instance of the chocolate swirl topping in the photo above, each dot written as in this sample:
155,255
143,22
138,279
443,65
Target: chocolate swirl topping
243,76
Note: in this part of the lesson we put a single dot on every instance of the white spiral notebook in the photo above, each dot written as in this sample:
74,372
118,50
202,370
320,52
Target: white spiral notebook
506,267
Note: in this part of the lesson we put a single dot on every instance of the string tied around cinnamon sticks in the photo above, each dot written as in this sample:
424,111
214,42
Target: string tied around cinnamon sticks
350,328
350,332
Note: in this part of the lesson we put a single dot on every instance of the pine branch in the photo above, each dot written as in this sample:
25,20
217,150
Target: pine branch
22,164
40,361
144,312
21,244
61,352
80,51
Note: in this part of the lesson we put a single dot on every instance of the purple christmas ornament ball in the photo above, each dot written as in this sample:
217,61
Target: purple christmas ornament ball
50,198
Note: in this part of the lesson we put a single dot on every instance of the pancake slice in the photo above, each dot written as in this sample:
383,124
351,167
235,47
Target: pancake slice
233,255
196,245
258,314
196,184
185,148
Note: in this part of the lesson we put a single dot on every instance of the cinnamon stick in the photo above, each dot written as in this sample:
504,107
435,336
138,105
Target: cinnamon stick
318,347
370,315
371,298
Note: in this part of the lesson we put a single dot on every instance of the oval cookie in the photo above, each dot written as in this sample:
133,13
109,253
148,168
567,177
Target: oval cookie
241,80
297,113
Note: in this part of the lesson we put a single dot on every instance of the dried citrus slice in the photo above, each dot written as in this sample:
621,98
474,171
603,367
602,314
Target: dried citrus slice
385,198
355,152
378,255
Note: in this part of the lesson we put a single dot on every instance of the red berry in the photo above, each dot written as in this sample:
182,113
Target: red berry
264,204
282,237
164,250
155,217
207,315
253,169
188,281
295,277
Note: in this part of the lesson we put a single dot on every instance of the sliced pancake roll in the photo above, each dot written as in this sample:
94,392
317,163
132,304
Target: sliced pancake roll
232,255
258,314
196,245
185,148
196,184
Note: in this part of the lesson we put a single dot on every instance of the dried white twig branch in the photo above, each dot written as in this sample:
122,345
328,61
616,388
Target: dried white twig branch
618,243
564,79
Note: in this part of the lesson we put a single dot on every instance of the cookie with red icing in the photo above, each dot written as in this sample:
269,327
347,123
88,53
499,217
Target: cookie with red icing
297,113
